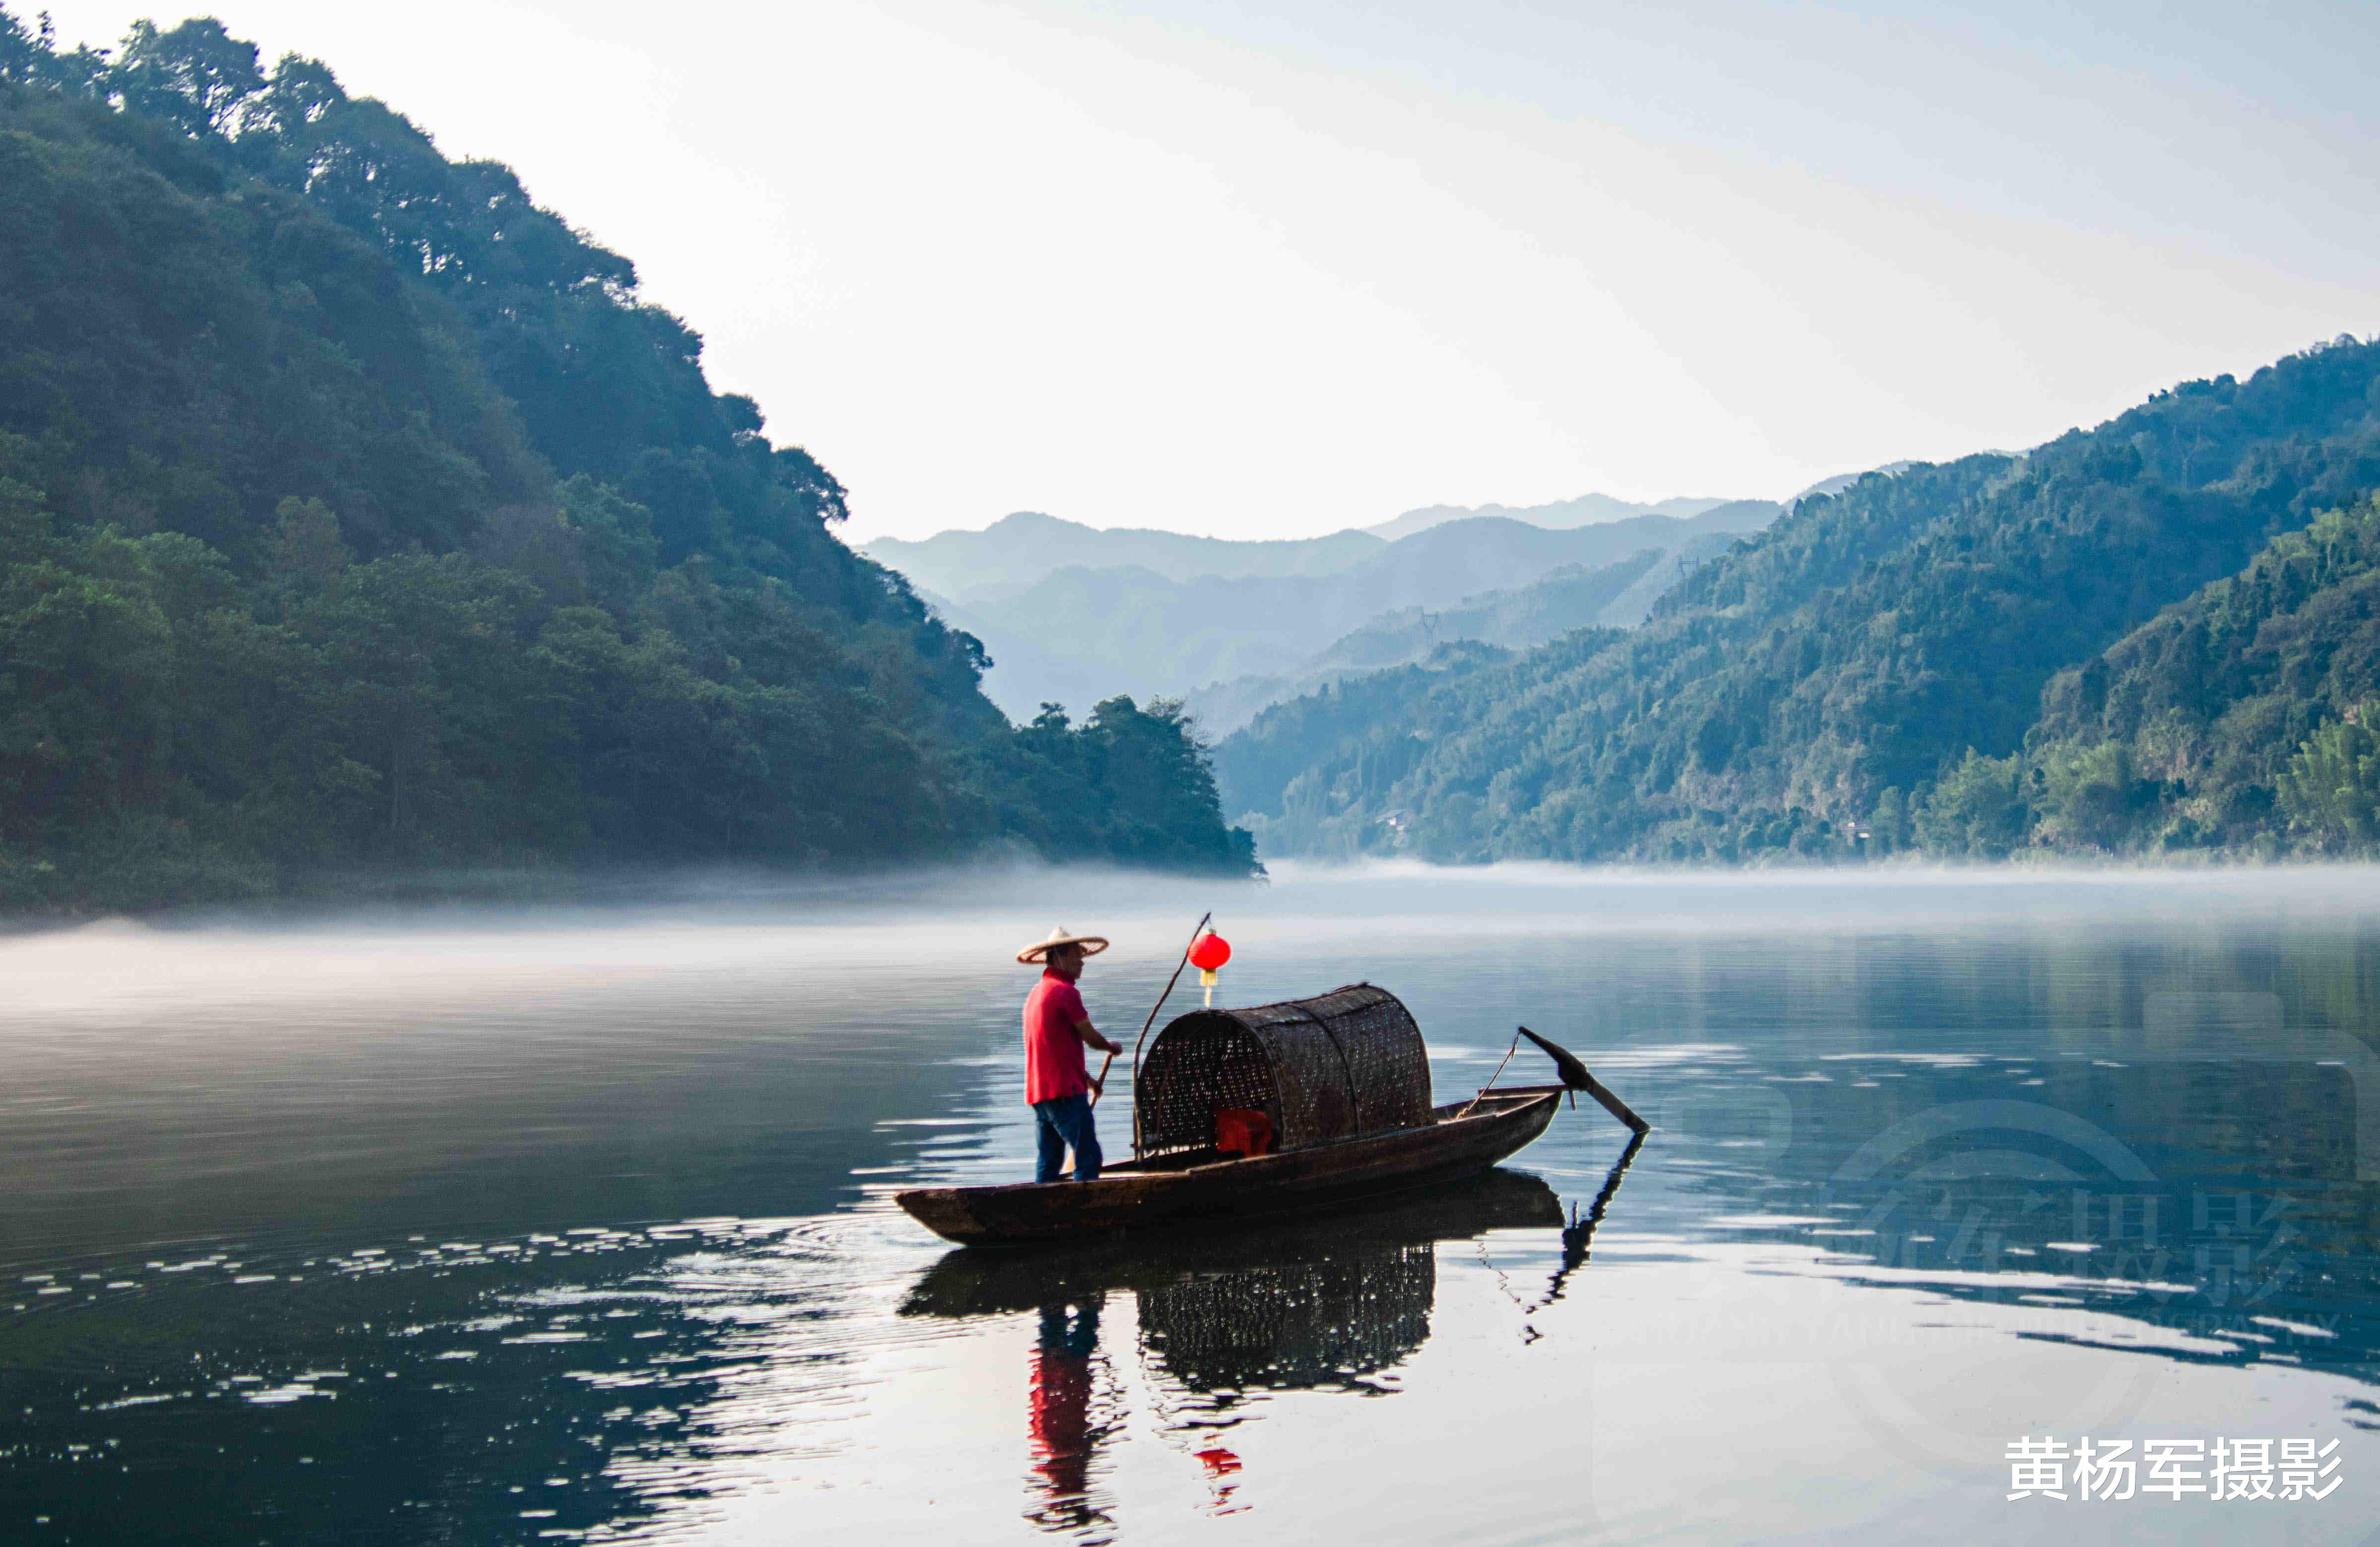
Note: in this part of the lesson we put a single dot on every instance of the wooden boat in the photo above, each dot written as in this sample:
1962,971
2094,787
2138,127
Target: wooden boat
1169,1189
965,1283
1343,1082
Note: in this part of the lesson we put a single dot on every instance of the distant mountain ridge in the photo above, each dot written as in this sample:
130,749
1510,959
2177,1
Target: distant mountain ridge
1572,597
1559,515
1080,634
1020,549
1595,510
1026,545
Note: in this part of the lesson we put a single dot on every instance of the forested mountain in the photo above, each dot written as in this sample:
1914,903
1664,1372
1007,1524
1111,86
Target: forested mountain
356,512
1839,668
1293,766
2241,715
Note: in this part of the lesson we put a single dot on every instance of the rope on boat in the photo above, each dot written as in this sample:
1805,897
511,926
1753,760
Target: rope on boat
1491,1079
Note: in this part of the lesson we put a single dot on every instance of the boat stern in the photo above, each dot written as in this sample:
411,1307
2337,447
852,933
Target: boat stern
946,1212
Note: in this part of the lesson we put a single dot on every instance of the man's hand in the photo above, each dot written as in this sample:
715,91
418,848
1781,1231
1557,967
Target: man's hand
1098,1087
1113,1049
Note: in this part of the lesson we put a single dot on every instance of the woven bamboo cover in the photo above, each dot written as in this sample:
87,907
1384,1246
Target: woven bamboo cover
1345,1063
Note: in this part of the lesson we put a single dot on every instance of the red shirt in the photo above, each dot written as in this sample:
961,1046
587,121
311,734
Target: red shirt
1053,1048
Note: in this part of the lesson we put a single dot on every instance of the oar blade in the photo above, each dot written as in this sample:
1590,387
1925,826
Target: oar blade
1574,1075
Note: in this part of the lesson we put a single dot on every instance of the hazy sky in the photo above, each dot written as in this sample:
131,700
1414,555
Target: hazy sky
1271,270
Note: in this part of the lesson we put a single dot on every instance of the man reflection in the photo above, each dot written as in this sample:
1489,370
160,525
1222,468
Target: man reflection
1059,1414
1221,1463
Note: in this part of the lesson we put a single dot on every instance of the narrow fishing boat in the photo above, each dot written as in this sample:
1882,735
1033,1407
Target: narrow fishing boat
1255,1112
1361,1234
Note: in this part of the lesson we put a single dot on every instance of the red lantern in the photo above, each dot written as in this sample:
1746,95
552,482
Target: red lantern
1207,952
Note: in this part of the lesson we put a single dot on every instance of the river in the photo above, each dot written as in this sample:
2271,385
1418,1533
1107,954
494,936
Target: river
575,1222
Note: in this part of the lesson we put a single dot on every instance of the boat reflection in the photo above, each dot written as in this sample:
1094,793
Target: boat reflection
1327,1302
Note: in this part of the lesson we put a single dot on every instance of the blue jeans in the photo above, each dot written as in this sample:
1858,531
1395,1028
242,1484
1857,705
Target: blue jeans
1059,1121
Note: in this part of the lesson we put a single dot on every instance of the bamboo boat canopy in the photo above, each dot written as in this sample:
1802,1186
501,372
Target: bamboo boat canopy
1339,1066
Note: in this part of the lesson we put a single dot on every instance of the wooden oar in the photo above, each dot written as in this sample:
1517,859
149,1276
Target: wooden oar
1574,1079
1575,1075
1098,1089
1195,931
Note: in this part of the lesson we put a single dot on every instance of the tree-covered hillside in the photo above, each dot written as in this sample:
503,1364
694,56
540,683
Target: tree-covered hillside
2223,720
1838,668
354,511
1315,757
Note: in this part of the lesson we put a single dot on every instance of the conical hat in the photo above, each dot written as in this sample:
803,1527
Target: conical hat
1033,954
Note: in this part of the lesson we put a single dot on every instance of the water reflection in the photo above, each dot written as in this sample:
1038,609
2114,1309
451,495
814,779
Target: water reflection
1065,1367
2197,1195
1226,1316
1578,1236
365,1237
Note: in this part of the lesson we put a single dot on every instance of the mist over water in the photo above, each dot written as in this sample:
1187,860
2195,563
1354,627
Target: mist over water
574,1222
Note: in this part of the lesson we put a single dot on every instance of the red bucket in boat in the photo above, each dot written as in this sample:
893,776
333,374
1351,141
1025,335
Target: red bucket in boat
1241,1130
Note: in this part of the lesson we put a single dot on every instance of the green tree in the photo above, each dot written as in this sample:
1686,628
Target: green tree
197,76
1888,829
1977,807
2331,786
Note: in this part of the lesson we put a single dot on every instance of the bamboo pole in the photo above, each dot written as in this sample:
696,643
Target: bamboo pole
1197,929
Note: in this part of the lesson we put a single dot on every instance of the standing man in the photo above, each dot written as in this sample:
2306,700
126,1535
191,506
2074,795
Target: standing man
1057,1029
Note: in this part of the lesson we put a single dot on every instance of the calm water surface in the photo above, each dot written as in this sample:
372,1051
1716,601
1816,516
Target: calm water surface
576,1224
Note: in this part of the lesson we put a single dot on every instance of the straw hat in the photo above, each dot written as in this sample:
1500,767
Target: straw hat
1035,954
